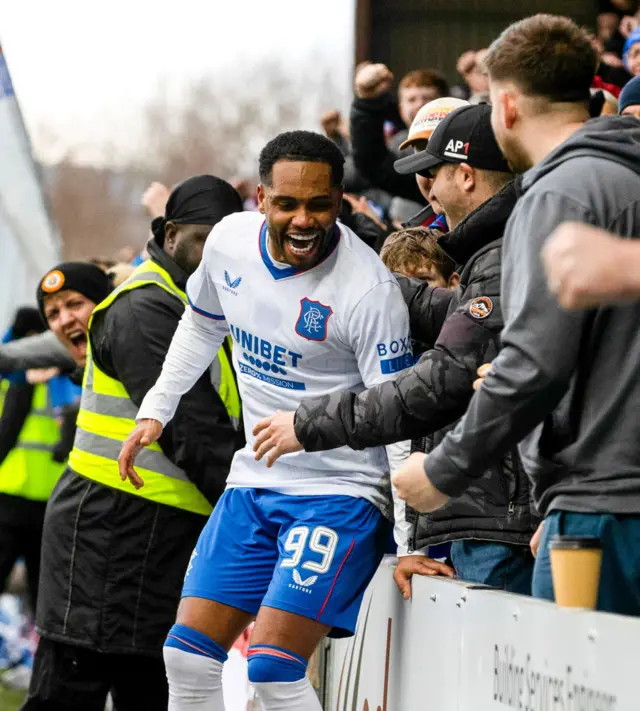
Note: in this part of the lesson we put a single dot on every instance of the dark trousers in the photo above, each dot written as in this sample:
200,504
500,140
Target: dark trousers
69,678
619,589
21,524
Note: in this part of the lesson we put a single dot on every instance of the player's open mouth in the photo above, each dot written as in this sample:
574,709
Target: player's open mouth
303,245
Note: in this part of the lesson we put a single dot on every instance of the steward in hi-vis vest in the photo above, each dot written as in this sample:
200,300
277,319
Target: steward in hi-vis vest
107,415
29,434
114,558
29,470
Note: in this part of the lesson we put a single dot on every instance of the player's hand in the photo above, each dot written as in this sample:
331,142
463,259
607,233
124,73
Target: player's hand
146,432
414,487
372,80
154,199
534,543
411,565
482,371
275,436
585,265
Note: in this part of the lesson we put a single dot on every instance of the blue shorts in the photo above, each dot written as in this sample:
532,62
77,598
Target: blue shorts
310,555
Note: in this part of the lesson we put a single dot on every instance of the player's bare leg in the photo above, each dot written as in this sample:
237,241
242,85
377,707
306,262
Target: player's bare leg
222,623
196,649
281,645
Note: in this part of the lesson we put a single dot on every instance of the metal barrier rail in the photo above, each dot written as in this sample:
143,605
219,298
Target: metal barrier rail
468,648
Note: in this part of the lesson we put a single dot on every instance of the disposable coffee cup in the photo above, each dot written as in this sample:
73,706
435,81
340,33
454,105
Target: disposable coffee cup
575,568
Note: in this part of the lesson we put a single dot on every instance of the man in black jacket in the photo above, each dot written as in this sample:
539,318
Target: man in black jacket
493,524
112,561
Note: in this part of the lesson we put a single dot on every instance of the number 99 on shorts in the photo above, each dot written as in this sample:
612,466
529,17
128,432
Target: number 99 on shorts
304,542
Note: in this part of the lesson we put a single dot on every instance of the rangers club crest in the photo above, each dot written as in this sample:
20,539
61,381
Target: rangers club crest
313,320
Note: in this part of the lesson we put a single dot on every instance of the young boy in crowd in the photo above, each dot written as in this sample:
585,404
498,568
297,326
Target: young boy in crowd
414,252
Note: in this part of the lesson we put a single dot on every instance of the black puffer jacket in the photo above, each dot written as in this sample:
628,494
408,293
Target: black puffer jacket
462,329
112,562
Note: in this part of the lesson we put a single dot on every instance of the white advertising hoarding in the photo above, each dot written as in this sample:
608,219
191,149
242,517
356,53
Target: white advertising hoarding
464,648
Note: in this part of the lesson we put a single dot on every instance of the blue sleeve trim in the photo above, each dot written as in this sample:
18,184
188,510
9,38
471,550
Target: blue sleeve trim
202,312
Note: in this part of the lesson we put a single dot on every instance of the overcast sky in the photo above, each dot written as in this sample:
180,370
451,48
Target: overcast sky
83,70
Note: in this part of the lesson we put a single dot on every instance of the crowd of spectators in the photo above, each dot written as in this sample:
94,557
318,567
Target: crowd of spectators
568,81
457,188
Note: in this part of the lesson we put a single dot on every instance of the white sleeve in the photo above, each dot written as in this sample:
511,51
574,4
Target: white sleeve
397,453
379,334
195,344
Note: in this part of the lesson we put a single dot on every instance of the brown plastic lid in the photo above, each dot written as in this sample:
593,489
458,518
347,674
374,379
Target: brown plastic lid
572,543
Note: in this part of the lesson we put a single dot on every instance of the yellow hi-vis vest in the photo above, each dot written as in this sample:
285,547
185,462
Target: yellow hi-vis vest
28,470
107,417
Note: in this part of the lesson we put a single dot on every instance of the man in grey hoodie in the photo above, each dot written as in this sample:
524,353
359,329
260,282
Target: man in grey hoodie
565,384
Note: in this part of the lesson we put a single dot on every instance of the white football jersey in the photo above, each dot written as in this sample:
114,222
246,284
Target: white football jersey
342,325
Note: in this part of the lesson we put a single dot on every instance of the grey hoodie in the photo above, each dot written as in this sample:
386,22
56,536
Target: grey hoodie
566,385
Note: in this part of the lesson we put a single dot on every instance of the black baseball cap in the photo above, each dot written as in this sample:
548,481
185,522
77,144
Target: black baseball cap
464,136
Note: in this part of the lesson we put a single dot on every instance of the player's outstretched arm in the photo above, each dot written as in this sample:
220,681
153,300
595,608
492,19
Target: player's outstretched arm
194,345
418,564
200,333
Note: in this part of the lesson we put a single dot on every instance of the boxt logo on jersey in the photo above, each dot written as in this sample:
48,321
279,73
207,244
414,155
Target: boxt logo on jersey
264,360
395,355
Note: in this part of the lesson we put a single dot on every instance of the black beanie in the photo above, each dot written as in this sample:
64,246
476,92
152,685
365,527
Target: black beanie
201,200
26,320
85,278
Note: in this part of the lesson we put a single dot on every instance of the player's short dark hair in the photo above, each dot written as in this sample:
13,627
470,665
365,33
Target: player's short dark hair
547,56
304,146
